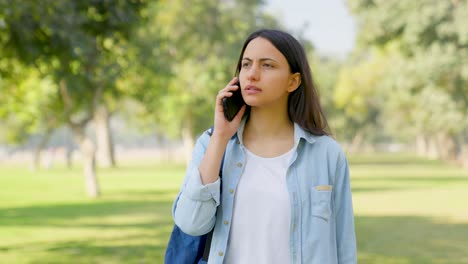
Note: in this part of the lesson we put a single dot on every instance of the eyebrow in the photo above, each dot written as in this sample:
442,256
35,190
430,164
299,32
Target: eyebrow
261,59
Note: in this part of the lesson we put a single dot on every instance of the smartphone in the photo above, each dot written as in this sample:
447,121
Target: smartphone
233,104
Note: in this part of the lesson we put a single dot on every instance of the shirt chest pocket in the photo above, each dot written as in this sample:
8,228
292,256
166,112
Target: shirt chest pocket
320,200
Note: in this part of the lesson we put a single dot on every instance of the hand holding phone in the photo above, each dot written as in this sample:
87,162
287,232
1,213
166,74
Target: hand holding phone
233,104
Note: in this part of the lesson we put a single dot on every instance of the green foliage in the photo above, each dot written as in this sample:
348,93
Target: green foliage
357,95
324,71
30,106
79,44
192,57
171,59
424,83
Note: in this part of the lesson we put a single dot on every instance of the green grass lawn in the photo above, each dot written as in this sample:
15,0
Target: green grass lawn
408,210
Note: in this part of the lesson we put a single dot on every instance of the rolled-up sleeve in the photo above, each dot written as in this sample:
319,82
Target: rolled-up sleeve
194,209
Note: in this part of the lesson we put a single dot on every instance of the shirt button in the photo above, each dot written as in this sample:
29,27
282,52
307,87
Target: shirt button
220,253
239,164
231,190
226,222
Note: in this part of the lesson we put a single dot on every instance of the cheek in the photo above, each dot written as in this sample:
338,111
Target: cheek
242,78
280,81
242,73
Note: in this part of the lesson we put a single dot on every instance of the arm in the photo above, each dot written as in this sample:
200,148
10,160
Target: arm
195,207
345,233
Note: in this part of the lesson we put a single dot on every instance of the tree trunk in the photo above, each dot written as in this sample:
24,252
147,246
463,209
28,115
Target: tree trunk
88,151
105,146
87,147
356,142
450,146
188,140
69,157
463,156
37,152
69,150
421,145
462,149
432,150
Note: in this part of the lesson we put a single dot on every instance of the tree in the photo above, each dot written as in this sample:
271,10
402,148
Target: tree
74,43
430,48
357,95
199,48
29,109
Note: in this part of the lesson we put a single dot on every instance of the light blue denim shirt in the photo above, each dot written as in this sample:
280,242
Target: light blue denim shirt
322,221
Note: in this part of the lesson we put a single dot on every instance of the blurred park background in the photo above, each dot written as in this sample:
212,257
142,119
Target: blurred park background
101,102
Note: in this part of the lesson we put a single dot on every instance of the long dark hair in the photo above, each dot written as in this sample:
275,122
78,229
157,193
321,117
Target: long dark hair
303,103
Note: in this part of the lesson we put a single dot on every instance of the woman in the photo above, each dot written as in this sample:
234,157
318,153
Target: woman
286,194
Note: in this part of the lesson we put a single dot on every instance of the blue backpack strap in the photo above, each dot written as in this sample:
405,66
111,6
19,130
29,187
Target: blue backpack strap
183,248
210,131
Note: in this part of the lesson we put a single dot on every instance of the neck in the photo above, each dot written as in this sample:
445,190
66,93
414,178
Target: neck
268,123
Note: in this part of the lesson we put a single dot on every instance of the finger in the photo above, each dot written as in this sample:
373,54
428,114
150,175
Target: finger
233,81
220,97
232,85
223,94
240,114
231,88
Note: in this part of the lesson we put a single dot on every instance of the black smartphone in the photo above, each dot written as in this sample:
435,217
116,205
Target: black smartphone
233,104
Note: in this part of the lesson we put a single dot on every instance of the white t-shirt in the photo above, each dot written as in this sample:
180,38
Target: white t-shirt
261,218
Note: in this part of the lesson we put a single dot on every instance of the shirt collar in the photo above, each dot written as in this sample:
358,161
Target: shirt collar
299,133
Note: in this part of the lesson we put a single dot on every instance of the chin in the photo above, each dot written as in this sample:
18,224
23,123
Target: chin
251,103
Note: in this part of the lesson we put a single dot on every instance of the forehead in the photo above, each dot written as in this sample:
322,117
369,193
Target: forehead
259,48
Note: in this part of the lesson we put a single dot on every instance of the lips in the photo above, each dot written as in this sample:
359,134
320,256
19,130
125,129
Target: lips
252,89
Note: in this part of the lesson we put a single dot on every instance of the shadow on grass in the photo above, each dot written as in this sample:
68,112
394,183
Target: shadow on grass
410,239
141,248
68,213
123,227
381,240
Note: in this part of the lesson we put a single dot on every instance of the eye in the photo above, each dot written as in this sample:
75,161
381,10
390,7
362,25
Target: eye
245,64
267,65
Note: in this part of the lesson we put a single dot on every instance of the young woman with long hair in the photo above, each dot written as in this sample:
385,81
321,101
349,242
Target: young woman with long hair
285,194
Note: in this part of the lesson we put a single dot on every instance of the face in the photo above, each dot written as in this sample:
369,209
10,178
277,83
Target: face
265,76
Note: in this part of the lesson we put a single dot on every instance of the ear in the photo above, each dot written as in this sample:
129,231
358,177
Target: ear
294,82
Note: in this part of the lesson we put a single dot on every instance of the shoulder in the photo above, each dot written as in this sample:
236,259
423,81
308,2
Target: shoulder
316,144
328,147
328,143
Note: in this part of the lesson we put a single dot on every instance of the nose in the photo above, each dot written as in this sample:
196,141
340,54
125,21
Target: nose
253,74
